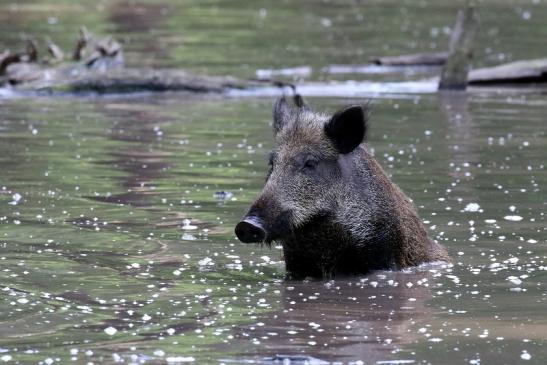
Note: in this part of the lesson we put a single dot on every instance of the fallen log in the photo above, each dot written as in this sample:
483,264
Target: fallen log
524,71
99,68
416,59
82,80
7,58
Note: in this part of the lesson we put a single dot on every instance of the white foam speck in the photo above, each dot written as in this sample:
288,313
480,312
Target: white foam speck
186,224
177,359
472,207
514,280
111,331
207,261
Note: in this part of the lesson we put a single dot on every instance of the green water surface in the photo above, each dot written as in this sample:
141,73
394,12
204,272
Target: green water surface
115,244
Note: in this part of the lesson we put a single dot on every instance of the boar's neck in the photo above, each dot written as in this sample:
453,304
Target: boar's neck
391,221
323,248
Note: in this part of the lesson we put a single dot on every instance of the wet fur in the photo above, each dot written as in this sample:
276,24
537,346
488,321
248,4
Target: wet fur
346,217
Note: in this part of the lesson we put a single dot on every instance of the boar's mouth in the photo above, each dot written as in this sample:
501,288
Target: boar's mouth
316,227
253,229
280,227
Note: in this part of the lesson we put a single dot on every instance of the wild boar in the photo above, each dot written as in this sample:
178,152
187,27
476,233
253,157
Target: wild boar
329,203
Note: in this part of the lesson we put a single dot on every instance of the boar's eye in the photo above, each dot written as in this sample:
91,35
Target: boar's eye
310,164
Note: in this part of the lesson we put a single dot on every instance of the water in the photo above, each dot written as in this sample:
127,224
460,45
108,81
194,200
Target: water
117,215
238,37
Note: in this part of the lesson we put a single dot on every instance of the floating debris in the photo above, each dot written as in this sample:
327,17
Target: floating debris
295,359
223,195
98,66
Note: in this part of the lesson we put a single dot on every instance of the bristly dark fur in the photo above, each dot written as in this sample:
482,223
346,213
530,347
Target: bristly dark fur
329,203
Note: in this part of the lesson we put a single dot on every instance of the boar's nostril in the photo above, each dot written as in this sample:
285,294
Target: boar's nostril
250,230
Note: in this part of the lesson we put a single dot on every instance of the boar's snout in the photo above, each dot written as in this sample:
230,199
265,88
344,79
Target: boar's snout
250,230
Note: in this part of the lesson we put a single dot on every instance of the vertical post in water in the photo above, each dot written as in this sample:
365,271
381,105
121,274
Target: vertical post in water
454,73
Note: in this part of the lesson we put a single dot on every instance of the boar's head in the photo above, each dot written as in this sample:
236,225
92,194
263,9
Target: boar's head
307,173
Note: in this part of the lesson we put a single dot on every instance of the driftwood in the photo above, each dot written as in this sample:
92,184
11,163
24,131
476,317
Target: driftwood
98,67
456,68
31,50
416,59
6,59
526,71
75,79
84,39
56,53
22,72
30,54
103,54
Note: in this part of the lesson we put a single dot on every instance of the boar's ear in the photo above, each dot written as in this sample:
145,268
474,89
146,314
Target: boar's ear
347,128
300,102
281,114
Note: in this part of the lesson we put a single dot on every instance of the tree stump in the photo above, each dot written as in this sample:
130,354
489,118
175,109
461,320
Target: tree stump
456,68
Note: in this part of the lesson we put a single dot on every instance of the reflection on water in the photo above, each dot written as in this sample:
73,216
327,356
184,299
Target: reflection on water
142,164
342,320
130,18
